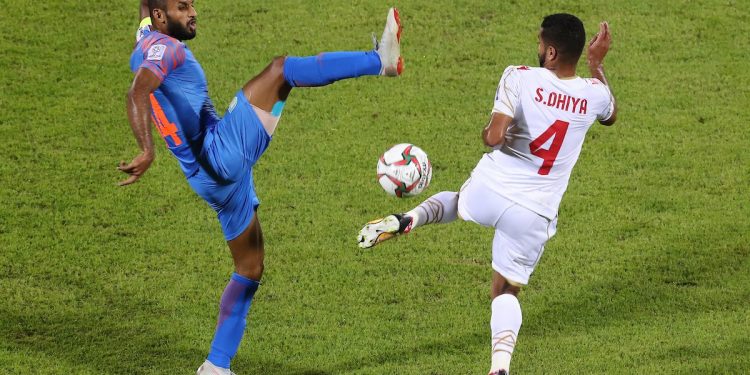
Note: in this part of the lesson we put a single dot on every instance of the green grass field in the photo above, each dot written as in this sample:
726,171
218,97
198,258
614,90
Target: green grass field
649,272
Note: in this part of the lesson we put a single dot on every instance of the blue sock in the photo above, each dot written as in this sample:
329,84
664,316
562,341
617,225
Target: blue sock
235,303
329,67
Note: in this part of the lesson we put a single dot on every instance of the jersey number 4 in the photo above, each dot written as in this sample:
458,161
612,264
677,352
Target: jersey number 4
556,130
166,129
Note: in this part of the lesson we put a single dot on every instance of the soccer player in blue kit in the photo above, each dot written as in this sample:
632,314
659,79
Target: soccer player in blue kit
216,153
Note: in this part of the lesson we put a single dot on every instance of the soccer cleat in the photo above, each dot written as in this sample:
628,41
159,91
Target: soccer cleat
389,48
383,229
208,368
498,372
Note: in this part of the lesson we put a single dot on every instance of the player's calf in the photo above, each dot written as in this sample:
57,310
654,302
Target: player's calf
440,208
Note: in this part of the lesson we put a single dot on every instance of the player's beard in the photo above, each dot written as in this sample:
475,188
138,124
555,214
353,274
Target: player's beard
542,59
179,31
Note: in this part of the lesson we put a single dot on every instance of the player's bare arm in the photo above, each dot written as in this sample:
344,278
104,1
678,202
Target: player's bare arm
494,133
139,110
144,10
598,48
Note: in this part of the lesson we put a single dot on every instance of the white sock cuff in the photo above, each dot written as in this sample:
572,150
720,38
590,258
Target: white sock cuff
507,306
505,301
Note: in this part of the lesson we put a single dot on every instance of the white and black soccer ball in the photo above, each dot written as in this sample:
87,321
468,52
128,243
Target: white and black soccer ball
404,170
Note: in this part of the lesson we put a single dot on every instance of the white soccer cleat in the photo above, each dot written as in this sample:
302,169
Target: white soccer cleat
383,229
208,368
389,48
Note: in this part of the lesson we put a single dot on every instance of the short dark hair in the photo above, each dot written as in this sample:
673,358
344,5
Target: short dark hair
157,4
565,32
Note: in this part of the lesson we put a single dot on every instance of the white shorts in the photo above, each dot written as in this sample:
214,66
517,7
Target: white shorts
520,234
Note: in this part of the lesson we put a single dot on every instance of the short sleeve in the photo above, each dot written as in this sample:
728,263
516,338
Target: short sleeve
163,56
507,95
608,107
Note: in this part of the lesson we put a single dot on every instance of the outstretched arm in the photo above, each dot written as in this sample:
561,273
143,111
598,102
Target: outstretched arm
598,48
139,111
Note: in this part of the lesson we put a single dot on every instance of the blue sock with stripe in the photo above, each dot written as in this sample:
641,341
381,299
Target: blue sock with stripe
233,309
329,67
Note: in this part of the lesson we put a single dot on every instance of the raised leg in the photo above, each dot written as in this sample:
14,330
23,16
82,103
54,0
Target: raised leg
275,82
440,208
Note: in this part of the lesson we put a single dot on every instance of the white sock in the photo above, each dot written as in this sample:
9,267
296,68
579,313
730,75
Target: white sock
505,324
439,208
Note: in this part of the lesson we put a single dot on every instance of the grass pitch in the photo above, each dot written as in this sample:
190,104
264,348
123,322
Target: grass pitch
649,271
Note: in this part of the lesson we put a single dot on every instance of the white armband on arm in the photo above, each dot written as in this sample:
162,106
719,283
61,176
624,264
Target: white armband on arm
143,28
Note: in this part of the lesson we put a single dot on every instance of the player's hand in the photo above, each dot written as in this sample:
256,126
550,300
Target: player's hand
599,46
136,168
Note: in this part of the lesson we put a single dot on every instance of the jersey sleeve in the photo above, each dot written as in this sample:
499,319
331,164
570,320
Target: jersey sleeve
507,96
162,57
608,101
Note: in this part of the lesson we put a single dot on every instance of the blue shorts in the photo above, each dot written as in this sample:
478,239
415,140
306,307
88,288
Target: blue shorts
225,179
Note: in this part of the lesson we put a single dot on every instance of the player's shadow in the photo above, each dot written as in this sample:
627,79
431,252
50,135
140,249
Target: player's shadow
461,342
275,368
119,331
107,341
92,342
663,283
111,344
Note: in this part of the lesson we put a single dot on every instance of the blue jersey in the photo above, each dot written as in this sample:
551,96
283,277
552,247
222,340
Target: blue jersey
181,108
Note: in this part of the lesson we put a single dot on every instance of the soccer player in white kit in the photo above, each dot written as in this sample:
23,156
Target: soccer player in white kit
536,130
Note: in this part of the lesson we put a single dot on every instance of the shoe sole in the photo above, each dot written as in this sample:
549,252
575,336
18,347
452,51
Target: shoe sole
397,18
399,68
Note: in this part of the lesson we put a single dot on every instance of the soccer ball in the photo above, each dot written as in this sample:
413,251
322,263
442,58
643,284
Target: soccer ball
404,170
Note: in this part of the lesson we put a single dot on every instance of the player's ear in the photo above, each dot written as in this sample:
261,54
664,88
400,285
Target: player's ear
551,53
159,16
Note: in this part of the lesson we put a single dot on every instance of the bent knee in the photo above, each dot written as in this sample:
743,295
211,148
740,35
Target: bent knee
501,285
277,63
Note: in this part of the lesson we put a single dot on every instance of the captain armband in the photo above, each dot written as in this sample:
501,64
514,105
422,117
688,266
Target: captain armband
143,28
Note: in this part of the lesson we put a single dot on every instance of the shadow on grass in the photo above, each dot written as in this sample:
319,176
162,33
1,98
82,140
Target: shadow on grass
133,335
660,283
460,343
120,332
126,337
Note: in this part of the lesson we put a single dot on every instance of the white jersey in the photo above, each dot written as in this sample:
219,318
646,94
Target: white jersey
543,142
